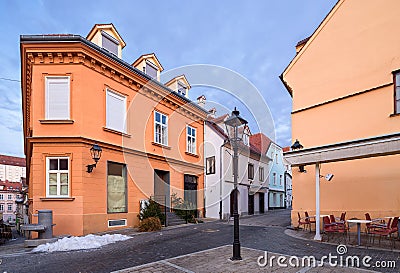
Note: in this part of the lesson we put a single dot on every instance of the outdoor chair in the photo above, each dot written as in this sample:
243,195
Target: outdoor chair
391,228
376,223
303,222
311,220
333,227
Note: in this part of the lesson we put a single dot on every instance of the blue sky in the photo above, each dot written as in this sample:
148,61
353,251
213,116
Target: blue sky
255,38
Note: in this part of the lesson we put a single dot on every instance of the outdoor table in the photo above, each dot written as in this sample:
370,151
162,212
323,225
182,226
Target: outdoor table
359,222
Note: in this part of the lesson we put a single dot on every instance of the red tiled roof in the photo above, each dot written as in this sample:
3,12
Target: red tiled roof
12,160
261,142
286,149
10,186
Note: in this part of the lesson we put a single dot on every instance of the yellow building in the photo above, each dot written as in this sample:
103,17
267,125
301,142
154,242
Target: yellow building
345,86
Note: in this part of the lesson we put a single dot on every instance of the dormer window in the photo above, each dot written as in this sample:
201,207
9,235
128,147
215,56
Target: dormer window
110,43
181,88
151,70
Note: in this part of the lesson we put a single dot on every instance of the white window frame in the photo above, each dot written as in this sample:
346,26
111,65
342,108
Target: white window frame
58,172
48,80
118,96
1,207
274,178
1,197
191,148
9,207
261,173
9,197
181,86
162,138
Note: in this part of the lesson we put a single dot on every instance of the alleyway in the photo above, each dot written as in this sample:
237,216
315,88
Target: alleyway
260,232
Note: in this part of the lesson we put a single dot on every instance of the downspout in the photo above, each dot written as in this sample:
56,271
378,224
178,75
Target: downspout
220,178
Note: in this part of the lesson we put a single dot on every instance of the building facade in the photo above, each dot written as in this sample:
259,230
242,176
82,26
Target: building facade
344,82
78,92
253,170
277,192
12,175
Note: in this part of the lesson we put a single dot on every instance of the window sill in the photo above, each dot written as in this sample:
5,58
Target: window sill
116,132
394,115
194,155
161,145
57,198
56,121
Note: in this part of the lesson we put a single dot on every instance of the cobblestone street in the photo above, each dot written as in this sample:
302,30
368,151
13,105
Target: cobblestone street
257,234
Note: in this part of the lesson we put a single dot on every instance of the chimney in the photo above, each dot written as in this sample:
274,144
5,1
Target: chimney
301,44
212,112
201,101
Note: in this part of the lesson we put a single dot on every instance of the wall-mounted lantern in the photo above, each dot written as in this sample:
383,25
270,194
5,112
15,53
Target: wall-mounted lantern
296,145
95,152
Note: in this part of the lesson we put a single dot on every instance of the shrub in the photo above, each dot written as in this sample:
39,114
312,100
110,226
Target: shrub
150,224
184,209
152,209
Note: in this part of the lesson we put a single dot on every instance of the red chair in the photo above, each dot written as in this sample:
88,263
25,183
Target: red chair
391,228
310,219
303,221
331,228
376,223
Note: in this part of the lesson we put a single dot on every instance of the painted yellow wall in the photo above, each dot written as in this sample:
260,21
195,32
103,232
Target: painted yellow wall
354,50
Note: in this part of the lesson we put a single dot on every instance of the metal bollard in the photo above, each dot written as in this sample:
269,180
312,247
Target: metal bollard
45,218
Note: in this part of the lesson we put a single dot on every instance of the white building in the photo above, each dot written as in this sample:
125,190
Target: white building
288,180
253,170
12,174
276,177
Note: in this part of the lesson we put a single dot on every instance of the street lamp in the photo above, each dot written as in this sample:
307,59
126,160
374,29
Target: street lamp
232,127
95,152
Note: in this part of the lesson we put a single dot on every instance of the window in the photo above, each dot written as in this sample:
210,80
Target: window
116,187
280,180
1,207
110,43
397,93
274,177
276,158
9,207
191,140
1,197
250,171
181,89
116,111
57,180
261,173
9,197
57,98
210,165
151,70
160,128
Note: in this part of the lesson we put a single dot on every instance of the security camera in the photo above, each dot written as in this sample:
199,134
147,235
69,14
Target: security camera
329,177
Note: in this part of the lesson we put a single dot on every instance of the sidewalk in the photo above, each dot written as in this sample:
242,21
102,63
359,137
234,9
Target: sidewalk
217,260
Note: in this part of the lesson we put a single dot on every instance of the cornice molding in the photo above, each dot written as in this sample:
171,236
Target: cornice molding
54,140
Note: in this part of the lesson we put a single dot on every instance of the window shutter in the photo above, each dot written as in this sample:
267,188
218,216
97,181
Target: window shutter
115,112
57,98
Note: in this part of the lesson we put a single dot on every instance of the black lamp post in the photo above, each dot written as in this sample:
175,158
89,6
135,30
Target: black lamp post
95,152
234,122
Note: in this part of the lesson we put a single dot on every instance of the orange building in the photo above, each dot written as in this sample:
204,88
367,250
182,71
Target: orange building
345,85
78,92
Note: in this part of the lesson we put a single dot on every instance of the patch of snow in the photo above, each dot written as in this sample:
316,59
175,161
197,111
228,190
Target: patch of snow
78,243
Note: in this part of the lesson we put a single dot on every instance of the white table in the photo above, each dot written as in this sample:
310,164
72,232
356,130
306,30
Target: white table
359,222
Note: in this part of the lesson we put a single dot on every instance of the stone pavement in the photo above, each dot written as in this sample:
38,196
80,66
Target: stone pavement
217,260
